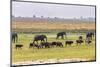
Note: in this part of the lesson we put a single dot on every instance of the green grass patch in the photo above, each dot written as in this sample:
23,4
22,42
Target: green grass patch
66,52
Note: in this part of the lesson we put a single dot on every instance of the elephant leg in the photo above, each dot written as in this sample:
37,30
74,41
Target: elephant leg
62,37
37,42
14,40
57,37
91,37
65,36
42,40
33,42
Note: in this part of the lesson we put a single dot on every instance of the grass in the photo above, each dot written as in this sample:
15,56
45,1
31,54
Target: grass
52,26
67,52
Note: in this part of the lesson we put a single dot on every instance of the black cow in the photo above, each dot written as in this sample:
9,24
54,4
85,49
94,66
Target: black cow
40,37
14,37
79,41
30,45
53,44
80,37
34,45
88,41
18,46
58,44
69,43
46,44
61,34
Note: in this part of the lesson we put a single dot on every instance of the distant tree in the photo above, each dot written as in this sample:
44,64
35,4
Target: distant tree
74,18
34,16
41,16
81,17
48,17
19,17
55,17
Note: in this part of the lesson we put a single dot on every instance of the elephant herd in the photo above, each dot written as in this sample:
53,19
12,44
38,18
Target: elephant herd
38,37
45,44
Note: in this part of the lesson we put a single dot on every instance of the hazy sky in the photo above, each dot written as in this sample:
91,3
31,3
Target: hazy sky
28,9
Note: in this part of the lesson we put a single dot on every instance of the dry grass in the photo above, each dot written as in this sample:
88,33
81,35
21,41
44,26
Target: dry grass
55,25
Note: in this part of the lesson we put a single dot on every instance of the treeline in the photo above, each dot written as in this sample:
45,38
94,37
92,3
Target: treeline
22,19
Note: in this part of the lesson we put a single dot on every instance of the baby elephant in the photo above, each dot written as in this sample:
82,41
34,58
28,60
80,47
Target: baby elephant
18,46
68,43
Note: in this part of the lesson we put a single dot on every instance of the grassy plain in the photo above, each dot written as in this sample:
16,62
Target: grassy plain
67,52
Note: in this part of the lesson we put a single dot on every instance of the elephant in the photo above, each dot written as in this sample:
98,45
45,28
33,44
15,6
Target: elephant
61,34
40,37
89,35
14,37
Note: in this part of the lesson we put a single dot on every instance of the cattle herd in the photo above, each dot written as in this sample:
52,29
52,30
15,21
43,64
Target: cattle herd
45,44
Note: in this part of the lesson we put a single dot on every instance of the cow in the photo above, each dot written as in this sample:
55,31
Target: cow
17,46
30,45
34,45
58,44
45,44
88,41
69,42
53,44
79,42
80,37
